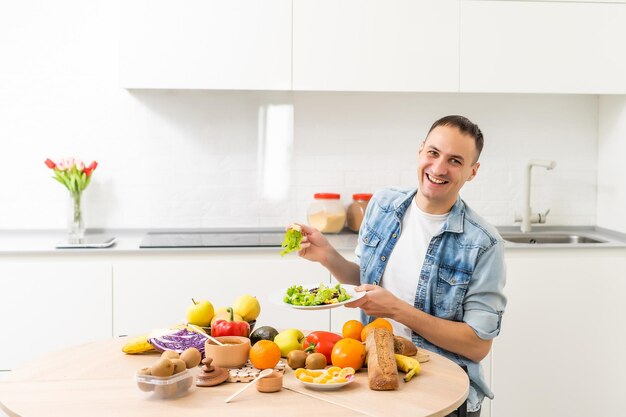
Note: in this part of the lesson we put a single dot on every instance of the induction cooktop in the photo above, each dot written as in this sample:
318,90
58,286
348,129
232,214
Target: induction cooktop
212,239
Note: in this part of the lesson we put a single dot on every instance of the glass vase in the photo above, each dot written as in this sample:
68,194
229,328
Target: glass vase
76,223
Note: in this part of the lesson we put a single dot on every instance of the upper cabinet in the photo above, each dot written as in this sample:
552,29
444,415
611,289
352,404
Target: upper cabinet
205,44
376,45
542,47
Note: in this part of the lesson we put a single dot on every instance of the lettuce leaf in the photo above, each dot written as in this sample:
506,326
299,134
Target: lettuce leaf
291,242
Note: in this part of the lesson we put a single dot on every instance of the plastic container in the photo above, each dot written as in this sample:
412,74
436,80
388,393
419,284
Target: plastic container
167,387
326,213
356,211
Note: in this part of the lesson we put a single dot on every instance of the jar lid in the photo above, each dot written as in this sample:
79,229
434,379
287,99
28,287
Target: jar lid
363,197
327,196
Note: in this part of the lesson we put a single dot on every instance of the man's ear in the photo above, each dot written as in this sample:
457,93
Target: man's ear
474,171
421,148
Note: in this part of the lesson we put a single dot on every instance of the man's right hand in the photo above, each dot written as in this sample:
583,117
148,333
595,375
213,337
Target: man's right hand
314,246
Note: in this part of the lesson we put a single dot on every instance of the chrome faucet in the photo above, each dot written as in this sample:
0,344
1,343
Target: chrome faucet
528,217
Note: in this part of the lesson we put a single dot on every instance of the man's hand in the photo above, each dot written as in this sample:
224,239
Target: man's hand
377,301
314,246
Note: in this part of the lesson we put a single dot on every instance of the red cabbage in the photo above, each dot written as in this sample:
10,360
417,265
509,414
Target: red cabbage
179,341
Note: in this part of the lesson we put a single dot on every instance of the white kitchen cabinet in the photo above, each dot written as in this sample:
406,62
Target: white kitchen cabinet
542,47
51,304
155,292
376,45
560,350
205,44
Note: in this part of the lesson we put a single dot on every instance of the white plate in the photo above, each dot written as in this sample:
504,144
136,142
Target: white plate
326,387
278,297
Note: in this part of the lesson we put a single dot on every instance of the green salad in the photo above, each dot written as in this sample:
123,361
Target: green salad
299,296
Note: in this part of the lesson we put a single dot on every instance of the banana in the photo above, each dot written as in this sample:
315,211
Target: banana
409,365
138,344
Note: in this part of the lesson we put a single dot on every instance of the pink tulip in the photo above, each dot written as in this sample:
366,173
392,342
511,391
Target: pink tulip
50,164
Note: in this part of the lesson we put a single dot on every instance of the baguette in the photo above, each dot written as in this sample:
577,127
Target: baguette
382,371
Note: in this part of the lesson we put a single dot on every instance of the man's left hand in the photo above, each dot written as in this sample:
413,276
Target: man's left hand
377,301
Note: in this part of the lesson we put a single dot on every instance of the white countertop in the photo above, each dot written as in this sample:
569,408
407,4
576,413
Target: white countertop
43,242
16,242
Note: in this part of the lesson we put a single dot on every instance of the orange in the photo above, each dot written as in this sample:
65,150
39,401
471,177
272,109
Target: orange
346,371
379,322
264,354
352,329
333,371
348,353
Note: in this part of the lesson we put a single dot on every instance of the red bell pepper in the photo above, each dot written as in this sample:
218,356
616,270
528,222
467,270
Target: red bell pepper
230,327
323,342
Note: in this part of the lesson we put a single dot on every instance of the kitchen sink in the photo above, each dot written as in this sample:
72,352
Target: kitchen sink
547,238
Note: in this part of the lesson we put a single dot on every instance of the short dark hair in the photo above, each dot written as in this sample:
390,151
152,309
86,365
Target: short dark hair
466,126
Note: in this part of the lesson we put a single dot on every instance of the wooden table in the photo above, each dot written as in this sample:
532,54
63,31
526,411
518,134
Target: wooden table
97,379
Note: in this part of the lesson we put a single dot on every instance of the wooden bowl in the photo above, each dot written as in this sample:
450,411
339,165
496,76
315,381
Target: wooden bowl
233,355
271,383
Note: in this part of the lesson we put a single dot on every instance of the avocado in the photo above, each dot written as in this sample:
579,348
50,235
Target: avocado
263,333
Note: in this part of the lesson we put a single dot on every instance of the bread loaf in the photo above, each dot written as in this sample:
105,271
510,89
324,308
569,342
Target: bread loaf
382,371
404,346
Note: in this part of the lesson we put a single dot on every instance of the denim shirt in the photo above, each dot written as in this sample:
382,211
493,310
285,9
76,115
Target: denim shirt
462,277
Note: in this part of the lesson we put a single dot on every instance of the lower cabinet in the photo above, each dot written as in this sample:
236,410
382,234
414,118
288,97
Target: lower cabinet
48,305
560,351
155,293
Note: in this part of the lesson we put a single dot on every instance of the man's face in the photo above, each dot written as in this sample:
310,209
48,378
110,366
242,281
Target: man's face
446,160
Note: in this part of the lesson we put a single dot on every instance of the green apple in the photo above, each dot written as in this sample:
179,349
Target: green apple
200,313
288,340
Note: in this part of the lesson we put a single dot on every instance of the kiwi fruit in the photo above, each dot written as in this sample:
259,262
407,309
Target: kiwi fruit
184,384
166,391
296,359
143,385
179,365
191,357
315,361
162,367
170,354
144,371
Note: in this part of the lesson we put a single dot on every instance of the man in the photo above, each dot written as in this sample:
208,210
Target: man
428,262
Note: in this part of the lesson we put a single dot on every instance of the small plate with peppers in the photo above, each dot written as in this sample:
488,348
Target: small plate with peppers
317,296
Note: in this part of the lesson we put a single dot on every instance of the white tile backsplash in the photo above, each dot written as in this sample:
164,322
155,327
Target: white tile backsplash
190,158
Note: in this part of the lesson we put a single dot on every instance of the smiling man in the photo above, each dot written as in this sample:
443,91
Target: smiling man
427,261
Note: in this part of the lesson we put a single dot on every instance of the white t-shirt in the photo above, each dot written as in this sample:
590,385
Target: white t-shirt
405,263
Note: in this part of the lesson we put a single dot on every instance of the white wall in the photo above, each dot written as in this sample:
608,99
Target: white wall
612,140
195,158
